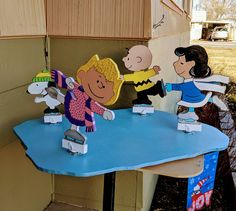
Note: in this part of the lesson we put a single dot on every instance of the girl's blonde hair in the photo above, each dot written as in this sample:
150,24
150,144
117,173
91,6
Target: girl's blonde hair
109,69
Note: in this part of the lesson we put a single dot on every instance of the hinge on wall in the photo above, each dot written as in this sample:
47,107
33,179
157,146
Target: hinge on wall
159,23
46,53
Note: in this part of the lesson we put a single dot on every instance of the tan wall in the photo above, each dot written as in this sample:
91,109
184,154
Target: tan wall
132,19
149,182
83,191
24,17
20,60
100,18
23,188
88,192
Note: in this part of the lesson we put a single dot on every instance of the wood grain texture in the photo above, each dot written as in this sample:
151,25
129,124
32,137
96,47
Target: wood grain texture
147,28
24,17
180,169
21,37
97,18
20,61
56,206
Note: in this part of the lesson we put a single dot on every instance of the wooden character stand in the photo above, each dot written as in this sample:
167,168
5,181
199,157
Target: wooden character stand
97,83
192,66
138,60
40,83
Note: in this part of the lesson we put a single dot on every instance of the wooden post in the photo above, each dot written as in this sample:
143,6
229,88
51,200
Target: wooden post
109,191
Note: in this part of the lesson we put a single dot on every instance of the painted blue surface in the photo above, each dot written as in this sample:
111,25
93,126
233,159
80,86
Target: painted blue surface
206,180
129,142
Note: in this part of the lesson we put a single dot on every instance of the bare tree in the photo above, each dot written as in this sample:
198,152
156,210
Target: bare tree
220,9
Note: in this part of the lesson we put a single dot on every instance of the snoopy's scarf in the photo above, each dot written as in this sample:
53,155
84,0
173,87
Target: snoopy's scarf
60,80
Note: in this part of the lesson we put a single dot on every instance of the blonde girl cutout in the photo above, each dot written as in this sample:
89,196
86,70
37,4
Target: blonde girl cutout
109,69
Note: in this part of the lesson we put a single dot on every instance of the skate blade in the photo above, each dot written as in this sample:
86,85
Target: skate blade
74,148
187,121
143,109
77,141
143,105
190,127
52,118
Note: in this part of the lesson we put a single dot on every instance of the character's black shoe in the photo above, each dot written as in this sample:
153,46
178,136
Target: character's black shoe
49,110
142,101
161,88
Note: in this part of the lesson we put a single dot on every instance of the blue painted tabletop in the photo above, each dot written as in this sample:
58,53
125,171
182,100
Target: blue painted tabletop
129,142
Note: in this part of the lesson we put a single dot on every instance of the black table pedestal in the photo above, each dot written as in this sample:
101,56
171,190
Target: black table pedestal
109,191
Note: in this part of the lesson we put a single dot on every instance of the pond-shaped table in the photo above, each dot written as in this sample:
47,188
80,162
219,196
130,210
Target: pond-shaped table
129,142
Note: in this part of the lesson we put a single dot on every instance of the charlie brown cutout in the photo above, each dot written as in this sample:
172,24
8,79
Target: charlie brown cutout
138,60
97,83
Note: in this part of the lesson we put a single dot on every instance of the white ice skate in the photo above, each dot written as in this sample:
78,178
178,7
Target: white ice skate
143,109
52,118
75,142
187,122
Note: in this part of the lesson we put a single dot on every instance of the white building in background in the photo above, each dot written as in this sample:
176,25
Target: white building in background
201,28
199,16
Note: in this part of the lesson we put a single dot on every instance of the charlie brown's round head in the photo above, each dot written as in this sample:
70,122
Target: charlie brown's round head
100,80
139,57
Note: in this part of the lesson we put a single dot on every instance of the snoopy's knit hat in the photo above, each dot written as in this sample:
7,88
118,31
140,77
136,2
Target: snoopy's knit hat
43,76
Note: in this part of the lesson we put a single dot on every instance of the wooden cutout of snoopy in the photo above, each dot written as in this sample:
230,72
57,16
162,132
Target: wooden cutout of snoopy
38,87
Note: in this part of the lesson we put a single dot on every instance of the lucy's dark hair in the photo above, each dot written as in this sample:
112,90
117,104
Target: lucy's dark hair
199,55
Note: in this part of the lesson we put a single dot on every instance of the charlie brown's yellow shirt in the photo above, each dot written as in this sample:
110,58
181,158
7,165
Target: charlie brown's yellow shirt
141,79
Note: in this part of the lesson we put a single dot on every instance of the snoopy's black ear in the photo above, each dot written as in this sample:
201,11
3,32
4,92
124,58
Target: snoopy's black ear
51,84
